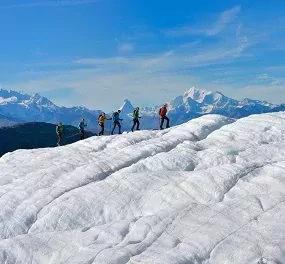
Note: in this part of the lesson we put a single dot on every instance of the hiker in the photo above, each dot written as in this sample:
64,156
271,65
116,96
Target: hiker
116,119
81,127
136,116
162,114
59,132
101,121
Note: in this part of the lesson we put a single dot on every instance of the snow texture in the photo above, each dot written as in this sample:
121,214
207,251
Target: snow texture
209,191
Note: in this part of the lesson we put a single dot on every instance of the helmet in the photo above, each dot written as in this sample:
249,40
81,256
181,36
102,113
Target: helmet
165,104
119,111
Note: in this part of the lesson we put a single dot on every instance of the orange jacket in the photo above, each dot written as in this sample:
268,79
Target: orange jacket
102,119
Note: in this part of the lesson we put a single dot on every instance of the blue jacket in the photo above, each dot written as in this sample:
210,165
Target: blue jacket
81,125
116,116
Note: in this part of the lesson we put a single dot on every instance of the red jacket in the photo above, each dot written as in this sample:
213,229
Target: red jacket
163,111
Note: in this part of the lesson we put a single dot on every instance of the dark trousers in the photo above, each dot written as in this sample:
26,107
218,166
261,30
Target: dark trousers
59,136
81,134
102,129
136,122
162,121
116,123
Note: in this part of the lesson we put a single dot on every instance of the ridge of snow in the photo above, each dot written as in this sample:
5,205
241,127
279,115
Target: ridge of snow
11,99
6,94
208,191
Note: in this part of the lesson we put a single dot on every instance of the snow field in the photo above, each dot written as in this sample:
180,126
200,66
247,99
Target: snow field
208,191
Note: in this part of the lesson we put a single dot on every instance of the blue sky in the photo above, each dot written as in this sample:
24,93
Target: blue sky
96,53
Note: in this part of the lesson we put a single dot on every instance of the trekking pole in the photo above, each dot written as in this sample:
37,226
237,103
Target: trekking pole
141,123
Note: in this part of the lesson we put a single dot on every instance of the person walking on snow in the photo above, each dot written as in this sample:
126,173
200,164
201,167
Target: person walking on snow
162,114
101,122
59,132
81,127
136,117
117,119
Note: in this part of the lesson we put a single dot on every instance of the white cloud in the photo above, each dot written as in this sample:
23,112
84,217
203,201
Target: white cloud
263,76
101,90
152,78
269,93
126,47
106,82
222,22
266,80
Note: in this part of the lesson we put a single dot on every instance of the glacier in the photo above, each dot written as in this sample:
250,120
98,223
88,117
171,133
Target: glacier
209,191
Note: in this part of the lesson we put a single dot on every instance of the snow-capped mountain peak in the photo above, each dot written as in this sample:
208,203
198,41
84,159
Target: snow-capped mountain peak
127,107
6,94
36,97
40,100
196,94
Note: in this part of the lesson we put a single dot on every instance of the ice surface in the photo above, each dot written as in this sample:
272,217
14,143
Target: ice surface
209,191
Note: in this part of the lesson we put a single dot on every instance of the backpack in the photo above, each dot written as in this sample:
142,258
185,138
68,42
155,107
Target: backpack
115,116
136,113
99,117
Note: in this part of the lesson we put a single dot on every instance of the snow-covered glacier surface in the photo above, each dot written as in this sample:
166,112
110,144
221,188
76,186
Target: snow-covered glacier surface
209,191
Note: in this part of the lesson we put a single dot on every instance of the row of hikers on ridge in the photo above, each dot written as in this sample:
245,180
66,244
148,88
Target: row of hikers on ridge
116,122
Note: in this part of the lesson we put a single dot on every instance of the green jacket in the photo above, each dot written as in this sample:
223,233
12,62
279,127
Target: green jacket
59,129
136,113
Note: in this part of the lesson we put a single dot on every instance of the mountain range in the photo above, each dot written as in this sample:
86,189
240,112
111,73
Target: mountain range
17,107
